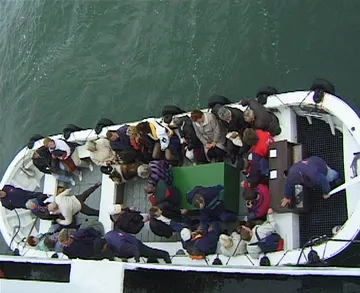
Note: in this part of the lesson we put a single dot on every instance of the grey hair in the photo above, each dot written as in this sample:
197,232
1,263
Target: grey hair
52,206
224,113
143,171
249,115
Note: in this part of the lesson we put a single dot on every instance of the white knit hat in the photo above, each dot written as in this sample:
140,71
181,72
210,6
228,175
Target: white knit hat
114,209
226,241
185,234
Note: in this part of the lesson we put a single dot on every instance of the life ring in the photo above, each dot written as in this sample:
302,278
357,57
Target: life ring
69,129
103,122
264,92
324,85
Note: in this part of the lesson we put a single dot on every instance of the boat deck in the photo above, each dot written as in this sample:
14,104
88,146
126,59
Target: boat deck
321,218
323,214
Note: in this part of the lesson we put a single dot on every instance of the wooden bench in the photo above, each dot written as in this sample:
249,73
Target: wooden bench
283,155
108,197
186,178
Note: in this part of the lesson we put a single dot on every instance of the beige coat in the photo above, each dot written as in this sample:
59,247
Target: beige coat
103,152
263,230
211,130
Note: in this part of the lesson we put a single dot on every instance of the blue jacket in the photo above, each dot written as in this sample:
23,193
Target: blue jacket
210,194
123,142
123,244
16,198
207,244
310,173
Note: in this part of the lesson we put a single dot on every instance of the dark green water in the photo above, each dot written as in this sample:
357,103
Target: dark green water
75,61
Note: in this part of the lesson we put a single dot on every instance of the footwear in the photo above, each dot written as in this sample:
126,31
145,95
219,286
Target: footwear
72,182
91,167
80,176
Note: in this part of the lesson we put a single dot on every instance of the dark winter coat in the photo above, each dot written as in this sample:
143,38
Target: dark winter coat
265,119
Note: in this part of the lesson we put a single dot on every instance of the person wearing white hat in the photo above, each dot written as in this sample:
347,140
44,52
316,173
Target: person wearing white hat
200,242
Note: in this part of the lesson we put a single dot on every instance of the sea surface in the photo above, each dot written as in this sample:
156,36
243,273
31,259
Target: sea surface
76,61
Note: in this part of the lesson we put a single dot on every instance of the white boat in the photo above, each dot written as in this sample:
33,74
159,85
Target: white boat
330,120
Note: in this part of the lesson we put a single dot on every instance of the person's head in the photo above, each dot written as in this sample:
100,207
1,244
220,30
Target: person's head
52,207
185,234
198,201
91,146
224,114
143,171
112,135
245,233
250,137
197,116
143,128
2,193
249,115
49,243
226,241
131,131
155,212
32,241
250,194
65,238
31,204
49,143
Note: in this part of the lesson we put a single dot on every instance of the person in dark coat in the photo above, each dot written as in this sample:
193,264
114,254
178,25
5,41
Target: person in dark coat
193,148
126,245
210,202
15,198
84,244
261,117
234,122
201,242
127,220
310,173
165,216
39,208
120,142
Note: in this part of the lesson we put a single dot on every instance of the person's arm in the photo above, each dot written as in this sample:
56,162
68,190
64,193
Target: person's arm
259,111
68,218
289,190
216,129
199,134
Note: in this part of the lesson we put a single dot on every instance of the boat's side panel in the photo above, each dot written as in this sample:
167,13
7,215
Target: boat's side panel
352,192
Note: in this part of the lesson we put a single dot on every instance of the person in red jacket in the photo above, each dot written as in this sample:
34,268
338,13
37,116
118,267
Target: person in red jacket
257,201
258,169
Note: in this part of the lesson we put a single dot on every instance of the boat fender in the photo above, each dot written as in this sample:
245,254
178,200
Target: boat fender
34,139
169,111
322,84
313,257
264,92
217,262
172,110
217,99
103,122
69,129
265,261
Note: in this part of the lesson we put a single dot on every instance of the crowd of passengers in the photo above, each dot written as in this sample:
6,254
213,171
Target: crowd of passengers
149,150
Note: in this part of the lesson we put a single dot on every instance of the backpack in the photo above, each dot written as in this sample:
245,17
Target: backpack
271,243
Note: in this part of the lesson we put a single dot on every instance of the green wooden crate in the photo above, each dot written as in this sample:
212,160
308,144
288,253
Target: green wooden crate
186,178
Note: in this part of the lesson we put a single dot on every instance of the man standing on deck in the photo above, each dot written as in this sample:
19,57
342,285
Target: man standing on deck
311,172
